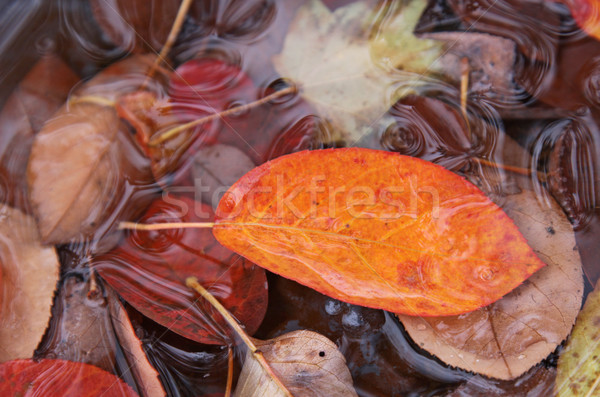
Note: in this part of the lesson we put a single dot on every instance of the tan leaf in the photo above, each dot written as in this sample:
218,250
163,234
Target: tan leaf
306,362
145,375
29,276
505,339
84,162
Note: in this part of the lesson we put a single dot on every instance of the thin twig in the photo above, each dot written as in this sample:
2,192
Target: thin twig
511,168
464,90
93,99
175,29
165,226
242,108
192,282
229,372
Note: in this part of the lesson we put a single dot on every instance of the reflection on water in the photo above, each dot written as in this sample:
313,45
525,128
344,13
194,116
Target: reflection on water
223,54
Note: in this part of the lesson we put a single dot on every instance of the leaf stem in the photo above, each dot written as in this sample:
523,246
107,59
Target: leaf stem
242,108
512,168
165,226
192,282
464,89
229,372
175,29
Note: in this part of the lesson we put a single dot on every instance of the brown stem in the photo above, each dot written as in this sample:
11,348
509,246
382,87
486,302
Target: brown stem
92,99
229,372
242,108
464,90
164,226
192,282
183,10
511,168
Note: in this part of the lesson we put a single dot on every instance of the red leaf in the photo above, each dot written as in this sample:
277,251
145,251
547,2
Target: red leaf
376,229
587,15
59,378
149,270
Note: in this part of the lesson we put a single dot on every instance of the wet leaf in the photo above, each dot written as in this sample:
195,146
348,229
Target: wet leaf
306,362
537,382
578,366
510,336
149,269
37,97
101,171
136,25
80,329
376,229
351,74
59,378
30,272
145,375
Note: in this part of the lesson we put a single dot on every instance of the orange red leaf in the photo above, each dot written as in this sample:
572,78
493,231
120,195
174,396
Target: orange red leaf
376,229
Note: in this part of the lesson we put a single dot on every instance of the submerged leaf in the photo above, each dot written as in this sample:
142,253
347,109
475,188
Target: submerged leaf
578,366
59,378
100,168
376,229
352,75
30,272
149,269
306,362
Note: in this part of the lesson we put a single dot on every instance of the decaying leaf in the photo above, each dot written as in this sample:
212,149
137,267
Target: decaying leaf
306,362
352,75
578,366
376,229
59,378
507,338
84,168
37,97
148,270
30,272
145,375
80,329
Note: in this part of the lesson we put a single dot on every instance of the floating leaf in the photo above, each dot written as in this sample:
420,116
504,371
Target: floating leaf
29,277
145,375
306,362
349,73
59,378
507,338
100,167
376,229
587,15
578,366
149,269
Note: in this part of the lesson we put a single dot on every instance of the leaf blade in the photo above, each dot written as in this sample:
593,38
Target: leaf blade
394,263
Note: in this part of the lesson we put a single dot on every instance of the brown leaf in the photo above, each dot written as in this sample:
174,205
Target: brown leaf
216,168
37,97
100,169
80,329
29,276
507,338
145,375
136,25
538,382
306,362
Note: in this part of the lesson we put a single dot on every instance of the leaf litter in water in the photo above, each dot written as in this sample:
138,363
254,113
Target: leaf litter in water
29,273
349,71
376,229
508,337
148,269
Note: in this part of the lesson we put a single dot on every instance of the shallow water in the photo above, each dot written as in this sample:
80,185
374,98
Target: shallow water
550,106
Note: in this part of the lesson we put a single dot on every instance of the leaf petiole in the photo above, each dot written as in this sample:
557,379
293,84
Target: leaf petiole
164,226
192,282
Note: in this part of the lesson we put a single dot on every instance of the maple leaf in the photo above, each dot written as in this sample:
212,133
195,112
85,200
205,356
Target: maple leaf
353,65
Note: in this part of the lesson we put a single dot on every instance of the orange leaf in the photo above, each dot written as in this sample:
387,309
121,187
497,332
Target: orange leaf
587,15
376,229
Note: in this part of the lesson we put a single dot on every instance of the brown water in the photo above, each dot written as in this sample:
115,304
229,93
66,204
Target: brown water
553,111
